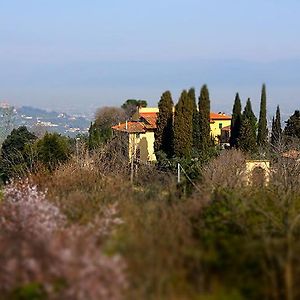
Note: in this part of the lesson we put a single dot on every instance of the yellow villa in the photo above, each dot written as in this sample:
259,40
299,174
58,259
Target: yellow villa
141,128
220,124
140,132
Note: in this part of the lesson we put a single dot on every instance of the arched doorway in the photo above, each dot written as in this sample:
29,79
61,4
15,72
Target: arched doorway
258,177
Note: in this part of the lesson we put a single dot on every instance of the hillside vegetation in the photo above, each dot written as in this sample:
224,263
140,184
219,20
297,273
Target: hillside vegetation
78,221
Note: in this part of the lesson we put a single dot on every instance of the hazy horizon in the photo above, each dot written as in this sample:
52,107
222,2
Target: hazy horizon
80,56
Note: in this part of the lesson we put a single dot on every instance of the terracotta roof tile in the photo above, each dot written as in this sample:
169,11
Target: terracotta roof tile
219,116
132,127
150,121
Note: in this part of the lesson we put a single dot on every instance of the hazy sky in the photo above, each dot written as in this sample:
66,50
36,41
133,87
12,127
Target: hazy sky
82,54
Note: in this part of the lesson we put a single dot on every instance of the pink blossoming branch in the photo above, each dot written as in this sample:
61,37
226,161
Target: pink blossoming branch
38,246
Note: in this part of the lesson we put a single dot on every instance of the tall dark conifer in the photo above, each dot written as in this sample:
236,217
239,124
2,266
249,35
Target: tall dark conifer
236,121
247,138
183,126
276,128
204,119
94,137
272,131
196,133
249,114
164,131
292,128
262,133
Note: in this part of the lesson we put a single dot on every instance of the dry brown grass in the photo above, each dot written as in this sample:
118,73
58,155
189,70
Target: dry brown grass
81,192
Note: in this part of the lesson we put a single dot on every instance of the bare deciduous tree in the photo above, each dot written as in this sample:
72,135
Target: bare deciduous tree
108,116
226,171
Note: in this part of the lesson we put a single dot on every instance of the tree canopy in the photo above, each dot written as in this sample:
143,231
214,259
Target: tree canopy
183,126
262,133
195,121
247,137
13,152
292,128
53,149
276,128
236,121
130,106
204,119
101,130
164,125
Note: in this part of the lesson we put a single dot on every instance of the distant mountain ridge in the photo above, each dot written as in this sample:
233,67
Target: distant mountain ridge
36,112
40,119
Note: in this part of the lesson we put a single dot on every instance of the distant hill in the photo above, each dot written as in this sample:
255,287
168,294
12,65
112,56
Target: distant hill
37,119
36,112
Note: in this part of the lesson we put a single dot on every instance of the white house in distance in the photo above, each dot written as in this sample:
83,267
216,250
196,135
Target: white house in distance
141,128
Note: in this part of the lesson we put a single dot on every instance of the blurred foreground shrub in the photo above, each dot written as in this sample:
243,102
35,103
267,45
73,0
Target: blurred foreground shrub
41,257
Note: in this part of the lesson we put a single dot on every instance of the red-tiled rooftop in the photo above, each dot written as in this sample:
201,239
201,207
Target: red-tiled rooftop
130,127
150,119
219,116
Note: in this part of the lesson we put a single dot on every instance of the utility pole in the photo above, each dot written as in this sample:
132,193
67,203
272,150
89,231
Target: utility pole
131,169
133,155
77,149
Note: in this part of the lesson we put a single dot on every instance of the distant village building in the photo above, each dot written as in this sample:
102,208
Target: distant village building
141,128
5,105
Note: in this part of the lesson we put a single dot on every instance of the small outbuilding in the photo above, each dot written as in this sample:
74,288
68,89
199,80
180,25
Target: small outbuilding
258,172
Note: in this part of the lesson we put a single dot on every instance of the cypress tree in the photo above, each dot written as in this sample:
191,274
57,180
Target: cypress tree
276,128
262,134
236,121
164,131
292,128
272,131
196,133
94,137
247,138
183,126
204,119
249,114
14,155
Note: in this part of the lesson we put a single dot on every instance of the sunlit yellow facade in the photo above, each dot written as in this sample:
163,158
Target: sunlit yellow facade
217,123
